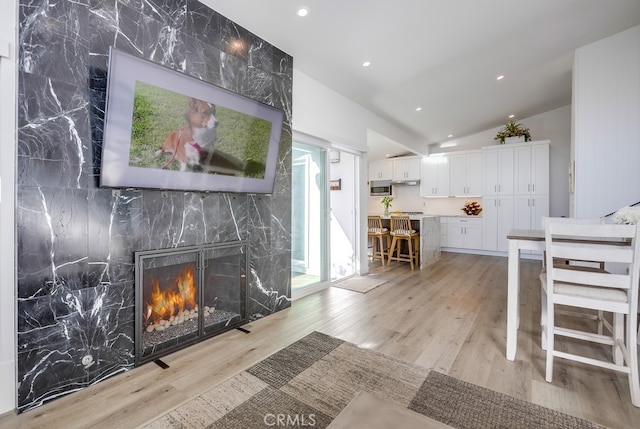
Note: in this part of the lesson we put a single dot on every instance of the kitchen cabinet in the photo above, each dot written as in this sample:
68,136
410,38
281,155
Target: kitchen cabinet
497,220
381,170
406,169
467,174
434,181
531,181
498,170
532,169
529,210
516,190
463,233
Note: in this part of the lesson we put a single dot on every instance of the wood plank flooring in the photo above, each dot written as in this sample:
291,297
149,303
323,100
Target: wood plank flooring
450,317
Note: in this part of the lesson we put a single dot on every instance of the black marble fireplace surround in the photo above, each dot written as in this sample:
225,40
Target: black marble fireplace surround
76,240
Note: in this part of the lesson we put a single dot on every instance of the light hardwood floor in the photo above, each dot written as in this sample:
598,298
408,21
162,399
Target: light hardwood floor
449,317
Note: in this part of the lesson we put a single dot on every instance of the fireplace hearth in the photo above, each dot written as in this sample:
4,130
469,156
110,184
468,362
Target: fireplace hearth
184,295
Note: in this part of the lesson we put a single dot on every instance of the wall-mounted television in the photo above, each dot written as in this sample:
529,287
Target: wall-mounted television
167,130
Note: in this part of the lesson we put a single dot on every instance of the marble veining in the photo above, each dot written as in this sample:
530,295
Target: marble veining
75,239
429,240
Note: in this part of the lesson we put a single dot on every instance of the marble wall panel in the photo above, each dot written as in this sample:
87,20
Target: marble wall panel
76,240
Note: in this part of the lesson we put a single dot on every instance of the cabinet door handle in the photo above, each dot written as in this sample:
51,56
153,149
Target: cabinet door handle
533,187
495,188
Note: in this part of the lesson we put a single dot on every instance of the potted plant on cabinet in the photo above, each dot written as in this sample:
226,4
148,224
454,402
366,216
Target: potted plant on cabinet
515,131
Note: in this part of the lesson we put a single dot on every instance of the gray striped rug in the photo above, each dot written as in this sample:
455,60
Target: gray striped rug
308,383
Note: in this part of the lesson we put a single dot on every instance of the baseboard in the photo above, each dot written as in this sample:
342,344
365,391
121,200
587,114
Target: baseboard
523,255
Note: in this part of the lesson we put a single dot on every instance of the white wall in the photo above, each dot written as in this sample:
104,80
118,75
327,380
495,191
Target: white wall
606,115
321,112
343,217
554,125
8,54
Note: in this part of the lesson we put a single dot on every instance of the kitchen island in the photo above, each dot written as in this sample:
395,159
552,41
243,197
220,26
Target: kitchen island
429,229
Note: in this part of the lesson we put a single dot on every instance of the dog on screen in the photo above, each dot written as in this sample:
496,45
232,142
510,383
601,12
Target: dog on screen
192,145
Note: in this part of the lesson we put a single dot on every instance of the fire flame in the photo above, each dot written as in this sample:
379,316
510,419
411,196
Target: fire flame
163,304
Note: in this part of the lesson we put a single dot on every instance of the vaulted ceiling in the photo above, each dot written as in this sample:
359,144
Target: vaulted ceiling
443,56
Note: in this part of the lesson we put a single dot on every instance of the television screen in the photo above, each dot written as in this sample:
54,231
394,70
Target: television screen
166,130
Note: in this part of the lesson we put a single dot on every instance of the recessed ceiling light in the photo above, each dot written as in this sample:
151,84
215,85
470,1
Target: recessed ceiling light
388,155
366,64
418,109
302,12
512,116
500,77
450,135
450,144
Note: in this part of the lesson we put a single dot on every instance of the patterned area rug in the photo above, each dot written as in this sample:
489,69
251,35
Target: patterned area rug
308,383
361,284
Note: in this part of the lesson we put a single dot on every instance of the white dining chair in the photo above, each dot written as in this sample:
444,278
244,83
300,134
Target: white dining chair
574,265
593,289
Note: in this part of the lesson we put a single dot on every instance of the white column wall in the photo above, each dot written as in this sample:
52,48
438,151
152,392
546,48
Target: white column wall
606,124
8,55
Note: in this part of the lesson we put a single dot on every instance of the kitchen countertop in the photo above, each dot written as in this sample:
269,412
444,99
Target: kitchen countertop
420,216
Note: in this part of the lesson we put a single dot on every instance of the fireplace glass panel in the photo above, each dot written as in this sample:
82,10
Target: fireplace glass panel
169,306
224,289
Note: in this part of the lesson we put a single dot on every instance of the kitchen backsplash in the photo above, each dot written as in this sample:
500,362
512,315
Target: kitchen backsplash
407,198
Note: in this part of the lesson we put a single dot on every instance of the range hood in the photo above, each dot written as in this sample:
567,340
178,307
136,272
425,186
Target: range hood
405,182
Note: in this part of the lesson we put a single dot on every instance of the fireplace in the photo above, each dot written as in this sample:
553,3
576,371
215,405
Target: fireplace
187,294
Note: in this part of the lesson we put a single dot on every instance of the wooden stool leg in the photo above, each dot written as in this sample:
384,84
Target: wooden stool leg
382,253
410,242
392,249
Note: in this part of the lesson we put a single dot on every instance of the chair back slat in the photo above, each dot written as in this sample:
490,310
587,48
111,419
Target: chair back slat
401,225
592,251
374,223
591,278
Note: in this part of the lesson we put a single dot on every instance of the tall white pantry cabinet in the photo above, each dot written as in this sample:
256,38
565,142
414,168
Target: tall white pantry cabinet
516,190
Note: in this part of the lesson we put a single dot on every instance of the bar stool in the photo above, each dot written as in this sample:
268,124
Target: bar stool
377,233
401,231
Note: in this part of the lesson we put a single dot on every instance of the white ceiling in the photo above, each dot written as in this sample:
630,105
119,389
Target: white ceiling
442,55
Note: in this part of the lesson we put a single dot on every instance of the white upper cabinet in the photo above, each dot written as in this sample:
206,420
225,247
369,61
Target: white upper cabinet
498,170
532,169
381,170
467,174
406,169
434,181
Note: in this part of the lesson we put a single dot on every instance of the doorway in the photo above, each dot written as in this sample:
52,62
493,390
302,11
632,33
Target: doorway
324,221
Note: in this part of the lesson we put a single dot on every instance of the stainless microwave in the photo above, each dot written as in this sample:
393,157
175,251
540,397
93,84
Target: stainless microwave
380,188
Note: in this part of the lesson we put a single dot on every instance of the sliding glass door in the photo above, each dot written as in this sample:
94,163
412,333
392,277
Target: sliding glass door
309,256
